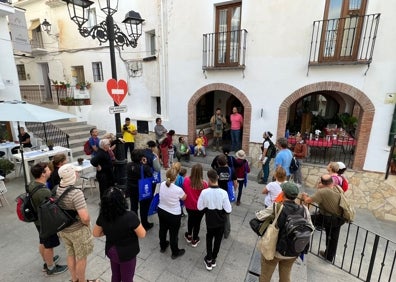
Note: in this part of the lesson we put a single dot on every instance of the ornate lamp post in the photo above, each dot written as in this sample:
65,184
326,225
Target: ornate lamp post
105,31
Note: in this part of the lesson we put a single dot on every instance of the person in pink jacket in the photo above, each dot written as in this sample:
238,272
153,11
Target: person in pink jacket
193,186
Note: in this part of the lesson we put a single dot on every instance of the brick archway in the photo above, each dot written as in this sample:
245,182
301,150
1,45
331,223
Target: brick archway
365,119
192,115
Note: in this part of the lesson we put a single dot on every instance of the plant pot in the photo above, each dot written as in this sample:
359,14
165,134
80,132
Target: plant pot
50,147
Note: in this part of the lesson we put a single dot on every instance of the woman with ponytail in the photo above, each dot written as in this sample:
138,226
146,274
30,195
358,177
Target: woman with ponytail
169,213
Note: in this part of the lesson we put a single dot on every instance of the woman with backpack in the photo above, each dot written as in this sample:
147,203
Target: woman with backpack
241,170
268,151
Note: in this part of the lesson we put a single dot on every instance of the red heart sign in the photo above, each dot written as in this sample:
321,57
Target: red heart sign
117,90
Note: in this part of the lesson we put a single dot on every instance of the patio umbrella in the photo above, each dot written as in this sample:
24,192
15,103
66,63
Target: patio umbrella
22,111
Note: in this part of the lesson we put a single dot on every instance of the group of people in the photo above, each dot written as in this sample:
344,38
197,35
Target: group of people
281,190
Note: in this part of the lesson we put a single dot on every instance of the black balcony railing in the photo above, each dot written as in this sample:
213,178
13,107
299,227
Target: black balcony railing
224,50
347,40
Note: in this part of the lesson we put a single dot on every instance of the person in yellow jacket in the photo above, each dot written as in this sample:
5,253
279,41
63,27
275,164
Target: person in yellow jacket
128,134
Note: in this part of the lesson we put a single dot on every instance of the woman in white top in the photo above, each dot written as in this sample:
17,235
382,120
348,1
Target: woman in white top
273,189
169,213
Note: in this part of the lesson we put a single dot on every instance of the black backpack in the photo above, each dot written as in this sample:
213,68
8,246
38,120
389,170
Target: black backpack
52,217
297,234
294,165
271,150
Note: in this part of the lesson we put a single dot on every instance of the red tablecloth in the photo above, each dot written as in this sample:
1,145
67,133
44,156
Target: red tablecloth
323,142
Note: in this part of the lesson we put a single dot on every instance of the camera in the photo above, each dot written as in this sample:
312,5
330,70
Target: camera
125,127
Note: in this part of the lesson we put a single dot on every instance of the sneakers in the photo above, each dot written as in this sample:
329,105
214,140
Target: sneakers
213,263
55,259
208,264
166,246
178,254
188,238
58,269
194,243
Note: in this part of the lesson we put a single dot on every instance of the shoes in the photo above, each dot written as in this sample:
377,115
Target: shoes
262,182
148,226
58,269
162,250
187,237
178,254
238,203
55,259
194,243
213,262
208,264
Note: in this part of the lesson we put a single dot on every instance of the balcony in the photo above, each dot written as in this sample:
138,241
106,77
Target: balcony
343,41
224,50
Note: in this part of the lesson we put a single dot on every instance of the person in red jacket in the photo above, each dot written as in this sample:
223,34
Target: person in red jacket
164,146
241,170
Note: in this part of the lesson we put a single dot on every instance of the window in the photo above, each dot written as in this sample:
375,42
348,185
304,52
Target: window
78,74
342,29
228,25
150,41
92,20
97,71
21,72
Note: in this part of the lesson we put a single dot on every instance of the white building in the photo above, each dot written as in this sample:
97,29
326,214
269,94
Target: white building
284,64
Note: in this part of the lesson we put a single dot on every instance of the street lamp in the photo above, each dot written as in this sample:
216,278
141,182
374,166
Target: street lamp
46,26
105,31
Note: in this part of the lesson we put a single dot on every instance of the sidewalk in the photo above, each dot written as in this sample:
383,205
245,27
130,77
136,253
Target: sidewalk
21,262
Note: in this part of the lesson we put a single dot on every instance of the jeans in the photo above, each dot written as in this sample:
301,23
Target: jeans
332,226
171,222
266,170
235,140
131,146
120,271
240,188
213,248
268,267
194,222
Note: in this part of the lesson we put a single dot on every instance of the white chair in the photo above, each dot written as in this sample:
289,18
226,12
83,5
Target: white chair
90,179
3,190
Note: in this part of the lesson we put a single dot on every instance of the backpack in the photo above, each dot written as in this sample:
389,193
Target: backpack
298,233
345,184
348,211
52,217
24,207
271,150
87,148
294,165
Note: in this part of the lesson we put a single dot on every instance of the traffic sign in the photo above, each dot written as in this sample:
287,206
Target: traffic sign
118,109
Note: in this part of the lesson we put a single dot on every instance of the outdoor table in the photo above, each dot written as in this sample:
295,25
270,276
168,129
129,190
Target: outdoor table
7,147
40,154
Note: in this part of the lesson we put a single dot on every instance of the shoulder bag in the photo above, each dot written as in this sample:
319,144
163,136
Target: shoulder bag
145,186
270,237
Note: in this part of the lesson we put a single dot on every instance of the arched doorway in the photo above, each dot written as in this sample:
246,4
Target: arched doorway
341,92
234,98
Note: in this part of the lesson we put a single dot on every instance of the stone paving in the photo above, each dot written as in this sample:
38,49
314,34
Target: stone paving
20,260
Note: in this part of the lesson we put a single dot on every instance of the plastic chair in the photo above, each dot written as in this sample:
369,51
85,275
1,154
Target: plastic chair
3,190
90,179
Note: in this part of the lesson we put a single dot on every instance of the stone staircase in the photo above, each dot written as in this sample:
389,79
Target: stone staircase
78,133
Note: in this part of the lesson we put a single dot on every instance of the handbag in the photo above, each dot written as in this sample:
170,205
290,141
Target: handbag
258,226
153,209
270,238
145,186
230,189
53,218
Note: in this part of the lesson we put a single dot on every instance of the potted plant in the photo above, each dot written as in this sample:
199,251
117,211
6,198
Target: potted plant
6,166
50,145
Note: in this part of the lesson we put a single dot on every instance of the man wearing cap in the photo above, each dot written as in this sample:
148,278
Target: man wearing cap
283,256
41,173
329,216
77,237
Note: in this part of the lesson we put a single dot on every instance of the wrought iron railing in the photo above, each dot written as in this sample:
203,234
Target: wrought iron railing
224,50
349,40
49,133
361,253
